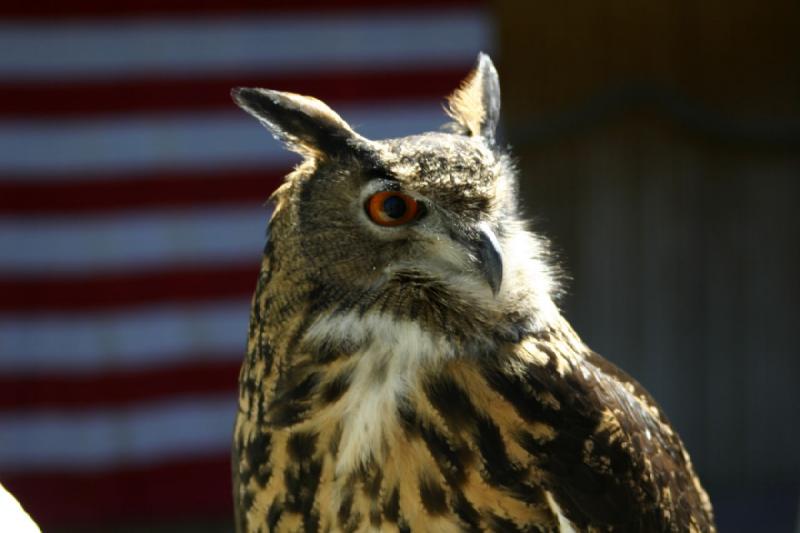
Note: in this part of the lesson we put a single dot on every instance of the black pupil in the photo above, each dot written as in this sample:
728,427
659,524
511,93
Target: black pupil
394,207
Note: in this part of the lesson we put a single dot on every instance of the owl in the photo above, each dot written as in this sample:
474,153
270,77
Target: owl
407,367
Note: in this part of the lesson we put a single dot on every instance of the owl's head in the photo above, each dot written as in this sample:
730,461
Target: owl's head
423,227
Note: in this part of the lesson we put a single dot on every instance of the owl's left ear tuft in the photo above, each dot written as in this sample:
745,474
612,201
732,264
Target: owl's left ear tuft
306,125
475,106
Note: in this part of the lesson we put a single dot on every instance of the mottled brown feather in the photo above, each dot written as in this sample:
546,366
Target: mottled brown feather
386,387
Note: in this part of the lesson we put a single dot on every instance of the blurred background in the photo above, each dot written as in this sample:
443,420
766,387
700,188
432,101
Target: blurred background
659,148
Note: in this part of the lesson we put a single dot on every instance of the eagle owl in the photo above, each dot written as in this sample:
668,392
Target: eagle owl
407,368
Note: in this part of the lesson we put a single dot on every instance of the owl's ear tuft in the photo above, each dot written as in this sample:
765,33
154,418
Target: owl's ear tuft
475,106
306,125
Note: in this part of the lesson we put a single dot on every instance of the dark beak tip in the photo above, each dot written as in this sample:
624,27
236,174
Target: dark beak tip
490,259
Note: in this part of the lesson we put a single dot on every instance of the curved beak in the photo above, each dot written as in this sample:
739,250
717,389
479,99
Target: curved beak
485,249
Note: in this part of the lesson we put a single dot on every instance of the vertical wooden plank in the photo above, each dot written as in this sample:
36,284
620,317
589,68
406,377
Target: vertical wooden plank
725,275
770,314
607,264
672,274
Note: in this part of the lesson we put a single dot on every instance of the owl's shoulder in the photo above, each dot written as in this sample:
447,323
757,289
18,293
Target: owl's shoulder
608,453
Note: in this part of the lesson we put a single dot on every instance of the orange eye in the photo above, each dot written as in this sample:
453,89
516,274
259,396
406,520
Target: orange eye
391,208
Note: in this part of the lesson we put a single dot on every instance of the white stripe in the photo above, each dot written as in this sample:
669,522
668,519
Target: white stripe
95,342
99,439
129,241
110,48
207,140
564,525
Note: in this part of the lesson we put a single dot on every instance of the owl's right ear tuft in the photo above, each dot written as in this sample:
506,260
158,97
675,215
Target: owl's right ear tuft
306,125
475,105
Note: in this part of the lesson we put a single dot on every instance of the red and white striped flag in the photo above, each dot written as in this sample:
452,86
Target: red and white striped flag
131,222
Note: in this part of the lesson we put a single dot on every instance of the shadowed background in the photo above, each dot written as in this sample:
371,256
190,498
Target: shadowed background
659,145
659,148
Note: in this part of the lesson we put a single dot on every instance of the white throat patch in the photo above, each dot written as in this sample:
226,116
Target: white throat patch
387,364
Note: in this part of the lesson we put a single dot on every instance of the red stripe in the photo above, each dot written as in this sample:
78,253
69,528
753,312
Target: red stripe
189,489
119,388
120,290
158,94
128,8
76,194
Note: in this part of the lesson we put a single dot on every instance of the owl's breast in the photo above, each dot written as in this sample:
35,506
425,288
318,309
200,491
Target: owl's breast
389,357
399,433
390,460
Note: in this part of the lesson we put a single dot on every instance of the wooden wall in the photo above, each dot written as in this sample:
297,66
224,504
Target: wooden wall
659,146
